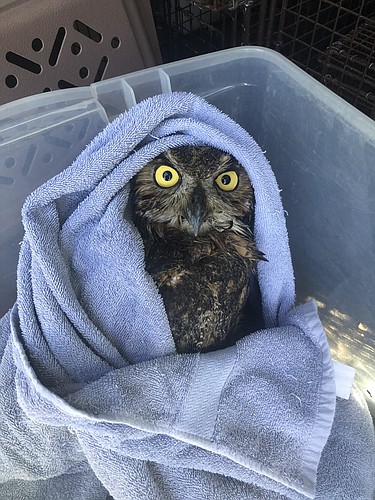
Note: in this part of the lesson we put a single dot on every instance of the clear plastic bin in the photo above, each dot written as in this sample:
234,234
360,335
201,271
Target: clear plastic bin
322,151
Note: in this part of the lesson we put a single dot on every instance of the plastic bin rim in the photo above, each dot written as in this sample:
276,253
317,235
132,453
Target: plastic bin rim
325,96
72,96
316,89
334,102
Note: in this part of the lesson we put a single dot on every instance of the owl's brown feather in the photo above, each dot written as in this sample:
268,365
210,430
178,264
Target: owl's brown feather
201,269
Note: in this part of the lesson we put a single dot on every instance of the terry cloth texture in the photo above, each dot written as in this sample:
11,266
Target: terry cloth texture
94,399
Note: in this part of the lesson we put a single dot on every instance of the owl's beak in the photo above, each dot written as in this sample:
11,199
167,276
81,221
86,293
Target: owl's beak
196,215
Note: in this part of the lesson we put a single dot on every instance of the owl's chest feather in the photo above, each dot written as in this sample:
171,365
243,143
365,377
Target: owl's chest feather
181,258
204,288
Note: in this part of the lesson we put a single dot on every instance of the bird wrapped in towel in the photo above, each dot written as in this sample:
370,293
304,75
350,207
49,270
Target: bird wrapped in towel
193,206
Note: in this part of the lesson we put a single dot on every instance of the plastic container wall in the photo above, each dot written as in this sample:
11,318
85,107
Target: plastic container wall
39,137
322,151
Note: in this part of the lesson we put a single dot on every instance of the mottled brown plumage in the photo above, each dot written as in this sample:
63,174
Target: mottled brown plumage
198,243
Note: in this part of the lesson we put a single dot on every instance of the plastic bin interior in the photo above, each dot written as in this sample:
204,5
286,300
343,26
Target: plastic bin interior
322,151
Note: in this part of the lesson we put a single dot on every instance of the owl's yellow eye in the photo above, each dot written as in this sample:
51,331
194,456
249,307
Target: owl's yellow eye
166,176
227,181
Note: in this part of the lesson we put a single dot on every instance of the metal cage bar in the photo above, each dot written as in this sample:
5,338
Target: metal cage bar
335,42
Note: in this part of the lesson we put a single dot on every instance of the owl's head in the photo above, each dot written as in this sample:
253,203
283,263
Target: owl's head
194,190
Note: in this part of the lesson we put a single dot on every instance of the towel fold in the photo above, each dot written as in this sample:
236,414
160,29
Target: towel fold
96,401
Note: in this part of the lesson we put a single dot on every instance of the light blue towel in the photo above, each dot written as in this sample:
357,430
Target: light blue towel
94,399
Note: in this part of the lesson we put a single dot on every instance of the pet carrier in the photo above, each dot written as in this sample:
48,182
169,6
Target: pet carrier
48,45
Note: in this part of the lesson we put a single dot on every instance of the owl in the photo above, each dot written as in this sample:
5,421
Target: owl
193,207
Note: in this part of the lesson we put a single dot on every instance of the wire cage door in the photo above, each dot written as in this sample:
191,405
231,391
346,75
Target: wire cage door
335,43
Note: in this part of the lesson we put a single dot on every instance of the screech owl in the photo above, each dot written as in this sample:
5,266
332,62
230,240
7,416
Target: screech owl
193,207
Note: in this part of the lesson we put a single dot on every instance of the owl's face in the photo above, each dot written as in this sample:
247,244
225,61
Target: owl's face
195,190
